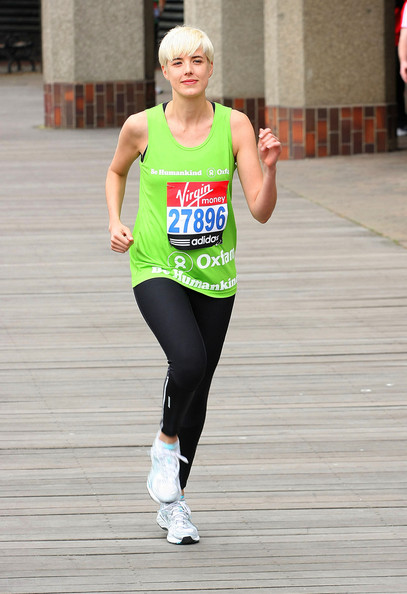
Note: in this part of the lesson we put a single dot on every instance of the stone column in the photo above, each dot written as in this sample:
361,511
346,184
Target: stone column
236,30
98,61
329,76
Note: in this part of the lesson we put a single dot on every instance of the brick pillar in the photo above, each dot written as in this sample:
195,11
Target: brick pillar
98,61
329,76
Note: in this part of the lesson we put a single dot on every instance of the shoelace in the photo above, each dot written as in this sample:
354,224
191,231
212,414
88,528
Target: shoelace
171,457
180,513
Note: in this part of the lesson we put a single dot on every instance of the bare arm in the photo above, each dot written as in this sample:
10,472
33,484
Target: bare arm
402,48
132,140
256,165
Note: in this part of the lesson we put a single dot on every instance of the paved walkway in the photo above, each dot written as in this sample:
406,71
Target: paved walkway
300,480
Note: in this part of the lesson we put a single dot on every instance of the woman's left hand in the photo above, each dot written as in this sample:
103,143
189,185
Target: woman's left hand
269,147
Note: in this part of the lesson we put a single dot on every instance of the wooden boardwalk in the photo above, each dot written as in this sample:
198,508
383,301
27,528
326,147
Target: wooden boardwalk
300,480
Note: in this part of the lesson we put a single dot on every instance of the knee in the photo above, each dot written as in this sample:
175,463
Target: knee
189,370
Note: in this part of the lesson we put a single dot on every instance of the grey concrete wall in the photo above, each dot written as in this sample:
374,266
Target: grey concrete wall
58,40
93,40
284,59
325,52
235,28
344,52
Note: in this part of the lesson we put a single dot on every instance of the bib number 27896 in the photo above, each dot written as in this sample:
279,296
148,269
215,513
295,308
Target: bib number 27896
197,213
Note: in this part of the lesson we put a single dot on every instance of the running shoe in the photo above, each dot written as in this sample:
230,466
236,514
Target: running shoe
163,479
176,519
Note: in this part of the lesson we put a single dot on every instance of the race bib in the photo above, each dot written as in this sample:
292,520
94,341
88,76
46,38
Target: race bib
197,213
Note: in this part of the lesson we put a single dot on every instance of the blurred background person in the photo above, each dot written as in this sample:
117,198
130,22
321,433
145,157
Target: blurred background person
401,65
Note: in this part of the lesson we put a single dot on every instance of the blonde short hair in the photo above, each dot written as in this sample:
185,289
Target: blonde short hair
184,40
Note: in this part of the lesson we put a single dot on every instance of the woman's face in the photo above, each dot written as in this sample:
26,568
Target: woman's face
189,75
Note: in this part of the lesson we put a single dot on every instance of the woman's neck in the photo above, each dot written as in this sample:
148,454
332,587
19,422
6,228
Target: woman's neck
190,120
189,110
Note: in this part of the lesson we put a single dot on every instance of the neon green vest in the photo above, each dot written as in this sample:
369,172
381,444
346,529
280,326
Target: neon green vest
185,227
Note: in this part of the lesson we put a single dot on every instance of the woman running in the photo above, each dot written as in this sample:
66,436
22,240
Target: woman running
182,249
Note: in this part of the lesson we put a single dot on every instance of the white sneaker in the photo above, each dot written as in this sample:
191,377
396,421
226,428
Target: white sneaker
176,519
163,480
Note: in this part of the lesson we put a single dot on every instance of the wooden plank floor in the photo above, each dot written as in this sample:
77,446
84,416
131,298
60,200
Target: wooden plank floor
300,480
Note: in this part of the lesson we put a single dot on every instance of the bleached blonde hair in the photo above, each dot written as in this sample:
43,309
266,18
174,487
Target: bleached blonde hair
184,40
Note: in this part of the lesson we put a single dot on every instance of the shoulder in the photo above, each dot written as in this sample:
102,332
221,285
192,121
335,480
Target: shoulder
135,131
238,117
136,123
242,129
240,123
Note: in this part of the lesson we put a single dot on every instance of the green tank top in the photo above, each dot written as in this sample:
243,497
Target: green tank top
185,227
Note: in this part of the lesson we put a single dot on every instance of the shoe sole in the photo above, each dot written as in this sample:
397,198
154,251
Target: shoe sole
155,498
184,541
187,540
151,493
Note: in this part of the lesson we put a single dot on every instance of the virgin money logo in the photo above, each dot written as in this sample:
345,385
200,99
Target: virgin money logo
196,194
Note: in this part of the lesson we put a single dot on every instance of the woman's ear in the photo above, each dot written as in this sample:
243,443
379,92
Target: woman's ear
211,70
164,71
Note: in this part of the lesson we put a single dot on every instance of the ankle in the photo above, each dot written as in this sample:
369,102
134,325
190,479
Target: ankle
167,439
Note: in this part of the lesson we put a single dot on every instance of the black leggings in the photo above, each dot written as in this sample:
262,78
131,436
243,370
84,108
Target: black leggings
191,329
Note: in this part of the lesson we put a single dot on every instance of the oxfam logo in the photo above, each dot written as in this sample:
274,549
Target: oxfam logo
180,261
211,172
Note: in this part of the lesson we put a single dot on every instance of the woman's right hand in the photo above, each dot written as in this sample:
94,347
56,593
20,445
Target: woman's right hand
121,237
